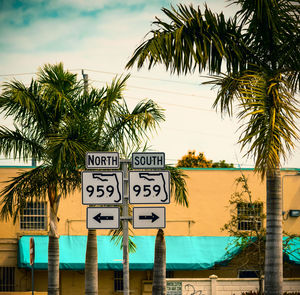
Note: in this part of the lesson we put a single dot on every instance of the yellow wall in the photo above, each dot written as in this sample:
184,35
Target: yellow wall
209,192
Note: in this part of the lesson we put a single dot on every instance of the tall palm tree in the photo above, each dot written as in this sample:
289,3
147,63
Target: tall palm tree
259,50
159,286
44,117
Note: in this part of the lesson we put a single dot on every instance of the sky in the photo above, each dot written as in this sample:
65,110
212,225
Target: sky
99,36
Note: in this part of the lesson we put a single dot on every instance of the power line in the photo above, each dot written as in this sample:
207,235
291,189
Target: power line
18,74
139,77
177,105
158,90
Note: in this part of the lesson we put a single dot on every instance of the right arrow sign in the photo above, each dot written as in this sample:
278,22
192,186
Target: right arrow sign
149,217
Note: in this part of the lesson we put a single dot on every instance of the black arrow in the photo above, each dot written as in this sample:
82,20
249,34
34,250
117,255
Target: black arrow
98,217
153,217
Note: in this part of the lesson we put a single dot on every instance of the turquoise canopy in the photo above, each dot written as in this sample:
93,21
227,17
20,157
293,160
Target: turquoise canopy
183,253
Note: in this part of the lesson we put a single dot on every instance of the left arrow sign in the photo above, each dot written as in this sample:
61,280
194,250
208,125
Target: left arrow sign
103,217
98,217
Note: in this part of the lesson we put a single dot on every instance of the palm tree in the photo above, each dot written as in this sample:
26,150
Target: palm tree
159,286
259,49
45,129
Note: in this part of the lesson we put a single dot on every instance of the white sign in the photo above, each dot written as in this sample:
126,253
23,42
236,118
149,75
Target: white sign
149,187
149,217
102,187
148,160
103,218
100,160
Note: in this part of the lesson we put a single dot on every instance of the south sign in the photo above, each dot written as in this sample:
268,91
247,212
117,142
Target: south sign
149,187
148,160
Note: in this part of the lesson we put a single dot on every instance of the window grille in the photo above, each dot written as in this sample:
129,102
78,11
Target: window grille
118,281
34,216
7,279
249,216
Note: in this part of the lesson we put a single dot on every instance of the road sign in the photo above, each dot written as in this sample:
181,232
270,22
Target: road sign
102,187
103,217
149,187
31,250
149,217
101,160
148,160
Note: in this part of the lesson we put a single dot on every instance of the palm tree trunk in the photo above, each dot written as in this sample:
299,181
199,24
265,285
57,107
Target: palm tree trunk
91,264
159,286
53,256
273,261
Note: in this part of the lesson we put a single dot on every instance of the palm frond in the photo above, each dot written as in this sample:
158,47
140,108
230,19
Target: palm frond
192,40
178,185
271,110
20,145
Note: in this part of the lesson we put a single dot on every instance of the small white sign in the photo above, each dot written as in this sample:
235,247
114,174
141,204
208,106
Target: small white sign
149,217
149,187
102,160
102,187
103,218
148,160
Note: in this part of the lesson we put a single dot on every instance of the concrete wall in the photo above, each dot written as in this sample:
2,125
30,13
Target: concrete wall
220,286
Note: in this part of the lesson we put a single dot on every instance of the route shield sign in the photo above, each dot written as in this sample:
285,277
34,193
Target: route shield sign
103,217
149,217
102,160
102,187
149,187
148,161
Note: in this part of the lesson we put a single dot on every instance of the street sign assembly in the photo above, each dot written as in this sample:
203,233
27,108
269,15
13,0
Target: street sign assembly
149,217
148,161
103,217
152,187
102,160
102,187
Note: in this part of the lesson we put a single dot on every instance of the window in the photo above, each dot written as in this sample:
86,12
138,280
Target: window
34,216
170,274
7,279
248,274
118,281
249,216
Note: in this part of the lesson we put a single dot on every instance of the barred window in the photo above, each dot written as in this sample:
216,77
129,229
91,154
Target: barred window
249,216
118,281
7,279
34,216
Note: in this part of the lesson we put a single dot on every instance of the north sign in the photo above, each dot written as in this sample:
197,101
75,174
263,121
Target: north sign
148,160
103,218
102,187
102,160
149,187
149,217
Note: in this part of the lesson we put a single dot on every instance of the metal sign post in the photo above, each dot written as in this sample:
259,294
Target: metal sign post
125,218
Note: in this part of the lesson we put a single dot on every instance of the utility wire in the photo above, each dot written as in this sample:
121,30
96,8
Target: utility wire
176,105
158,90
139,77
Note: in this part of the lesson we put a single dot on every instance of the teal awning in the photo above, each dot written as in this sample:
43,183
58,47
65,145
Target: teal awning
183,253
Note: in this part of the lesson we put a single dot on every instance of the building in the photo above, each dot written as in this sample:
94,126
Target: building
196,246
